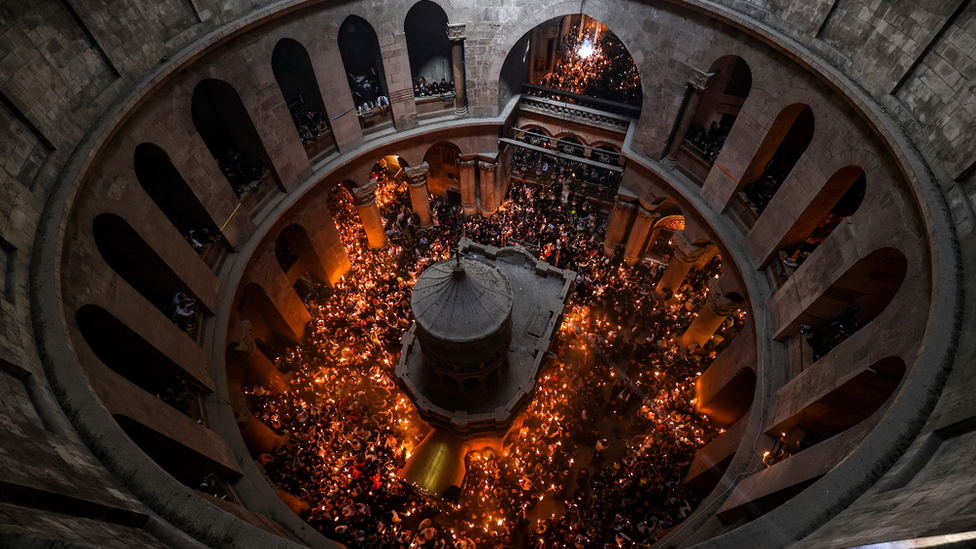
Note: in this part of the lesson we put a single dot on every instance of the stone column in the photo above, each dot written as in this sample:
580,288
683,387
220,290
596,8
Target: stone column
697,84
489,191
638,236
686,255
419,196
717,308
369,213
455,33
620,220
469,198
258,437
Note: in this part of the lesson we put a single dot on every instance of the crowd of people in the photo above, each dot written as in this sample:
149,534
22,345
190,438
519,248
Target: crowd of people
595,461
595,63
310,125
423,88
709,143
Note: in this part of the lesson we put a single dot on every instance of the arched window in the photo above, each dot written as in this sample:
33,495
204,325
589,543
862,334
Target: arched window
222,121
360,50
296,79
839,198
428,48
139,265
170,192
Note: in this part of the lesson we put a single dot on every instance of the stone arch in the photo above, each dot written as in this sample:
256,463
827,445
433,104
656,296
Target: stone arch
718,108
169,191
510,65
839,198
848,403
223,122
785,142
362,62
298,248
116,345
137,263
571,144
853,299
428,47
293,71
445,172
270,330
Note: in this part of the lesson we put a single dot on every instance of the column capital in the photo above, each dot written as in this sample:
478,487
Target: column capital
687,251
488,166
643,212
455,32
625,205
418,175
700,80
365,195
468,163
719,303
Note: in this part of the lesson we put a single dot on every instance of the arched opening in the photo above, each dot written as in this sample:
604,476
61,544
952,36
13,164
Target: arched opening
573,58
429,49
856,298
717,112
661,247
298,261
606,154
137,360
270,330
139,265
360,50
843,404
781,149
296,79
171,194
222,121
444,177
838,199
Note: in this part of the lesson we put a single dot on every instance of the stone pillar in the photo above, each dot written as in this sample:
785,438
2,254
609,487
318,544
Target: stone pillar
469,198
419,196
686,255
697,84
258,437
638,236
455,33
369,212
717,308
620,220
489,190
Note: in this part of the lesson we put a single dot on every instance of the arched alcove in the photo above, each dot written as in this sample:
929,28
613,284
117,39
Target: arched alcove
660,245
571,145
838,199
137,263
270,330
226,127
428,47
781,148
169,191
300,89
299,262
363,64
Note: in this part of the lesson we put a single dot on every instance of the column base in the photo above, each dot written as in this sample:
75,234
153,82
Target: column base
669,163
461,113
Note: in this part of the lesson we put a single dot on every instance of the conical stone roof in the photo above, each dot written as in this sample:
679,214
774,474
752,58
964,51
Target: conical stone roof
461,300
